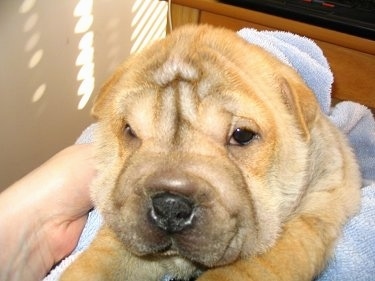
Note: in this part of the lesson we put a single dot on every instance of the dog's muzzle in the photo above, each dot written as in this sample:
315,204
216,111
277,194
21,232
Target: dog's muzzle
172,212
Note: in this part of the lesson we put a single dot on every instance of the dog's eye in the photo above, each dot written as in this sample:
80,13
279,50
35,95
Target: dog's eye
242,136
129,131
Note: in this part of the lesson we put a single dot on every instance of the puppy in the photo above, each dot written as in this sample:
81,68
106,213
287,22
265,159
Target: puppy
215,162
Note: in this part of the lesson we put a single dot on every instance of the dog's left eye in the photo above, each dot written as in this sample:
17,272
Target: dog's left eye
129,131
242,136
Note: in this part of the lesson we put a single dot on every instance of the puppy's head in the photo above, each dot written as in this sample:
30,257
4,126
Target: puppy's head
201,147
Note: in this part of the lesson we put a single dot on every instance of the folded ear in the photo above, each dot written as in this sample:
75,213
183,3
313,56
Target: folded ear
301,103
106,94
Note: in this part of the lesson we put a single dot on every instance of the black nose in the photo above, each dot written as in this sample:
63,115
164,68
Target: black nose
171,213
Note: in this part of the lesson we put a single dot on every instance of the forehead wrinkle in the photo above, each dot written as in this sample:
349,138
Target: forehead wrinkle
234,85
168,112
175,68
214,119
188,101
140,112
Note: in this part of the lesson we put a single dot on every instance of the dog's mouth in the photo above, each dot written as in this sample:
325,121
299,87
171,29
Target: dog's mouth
177,226
178,213
165,248
171,251
173,216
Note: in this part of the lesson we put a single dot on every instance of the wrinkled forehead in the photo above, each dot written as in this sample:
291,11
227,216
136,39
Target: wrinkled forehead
182,82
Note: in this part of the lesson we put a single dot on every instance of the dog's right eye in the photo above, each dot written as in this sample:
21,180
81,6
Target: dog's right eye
242,136
129,131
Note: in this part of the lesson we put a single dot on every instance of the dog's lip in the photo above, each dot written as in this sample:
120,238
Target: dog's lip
168,249
169,252
164,248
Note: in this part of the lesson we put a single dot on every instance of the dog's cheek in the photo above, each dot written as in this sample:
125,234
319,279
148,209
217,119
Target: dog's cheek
110,154
267,209
256,164
131,223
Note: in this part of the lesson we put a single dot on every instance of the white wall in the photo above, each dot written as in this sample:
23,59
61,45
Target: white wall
40,64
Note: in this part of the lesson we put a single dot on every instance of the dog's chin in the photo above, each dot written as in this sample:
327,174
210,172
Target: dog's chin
190,249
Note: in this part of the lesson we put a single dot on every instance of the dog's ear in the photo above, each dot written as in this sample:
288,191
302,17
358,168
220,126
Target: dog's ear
301,102
106,94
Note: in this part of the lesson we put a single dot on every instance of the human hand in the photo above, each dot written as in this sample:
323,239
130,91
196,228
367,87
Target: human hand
43,214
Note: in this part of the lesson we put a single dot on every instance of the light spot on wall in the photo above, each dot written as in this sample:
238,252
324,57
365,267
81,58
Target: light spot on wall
39,93
32,44
26,6
36,58
85,59
30,22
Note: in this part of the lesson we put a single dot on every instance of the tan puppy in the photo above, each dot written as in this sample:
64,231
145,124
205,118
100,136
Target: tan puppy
214,159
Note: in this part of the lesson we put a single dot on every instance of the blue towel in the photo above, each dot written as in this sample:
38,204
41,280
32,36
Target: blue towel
357,122
354,255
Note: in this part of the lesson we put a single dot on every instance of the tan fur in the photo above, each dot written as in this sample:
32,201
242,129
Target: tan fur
268,210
